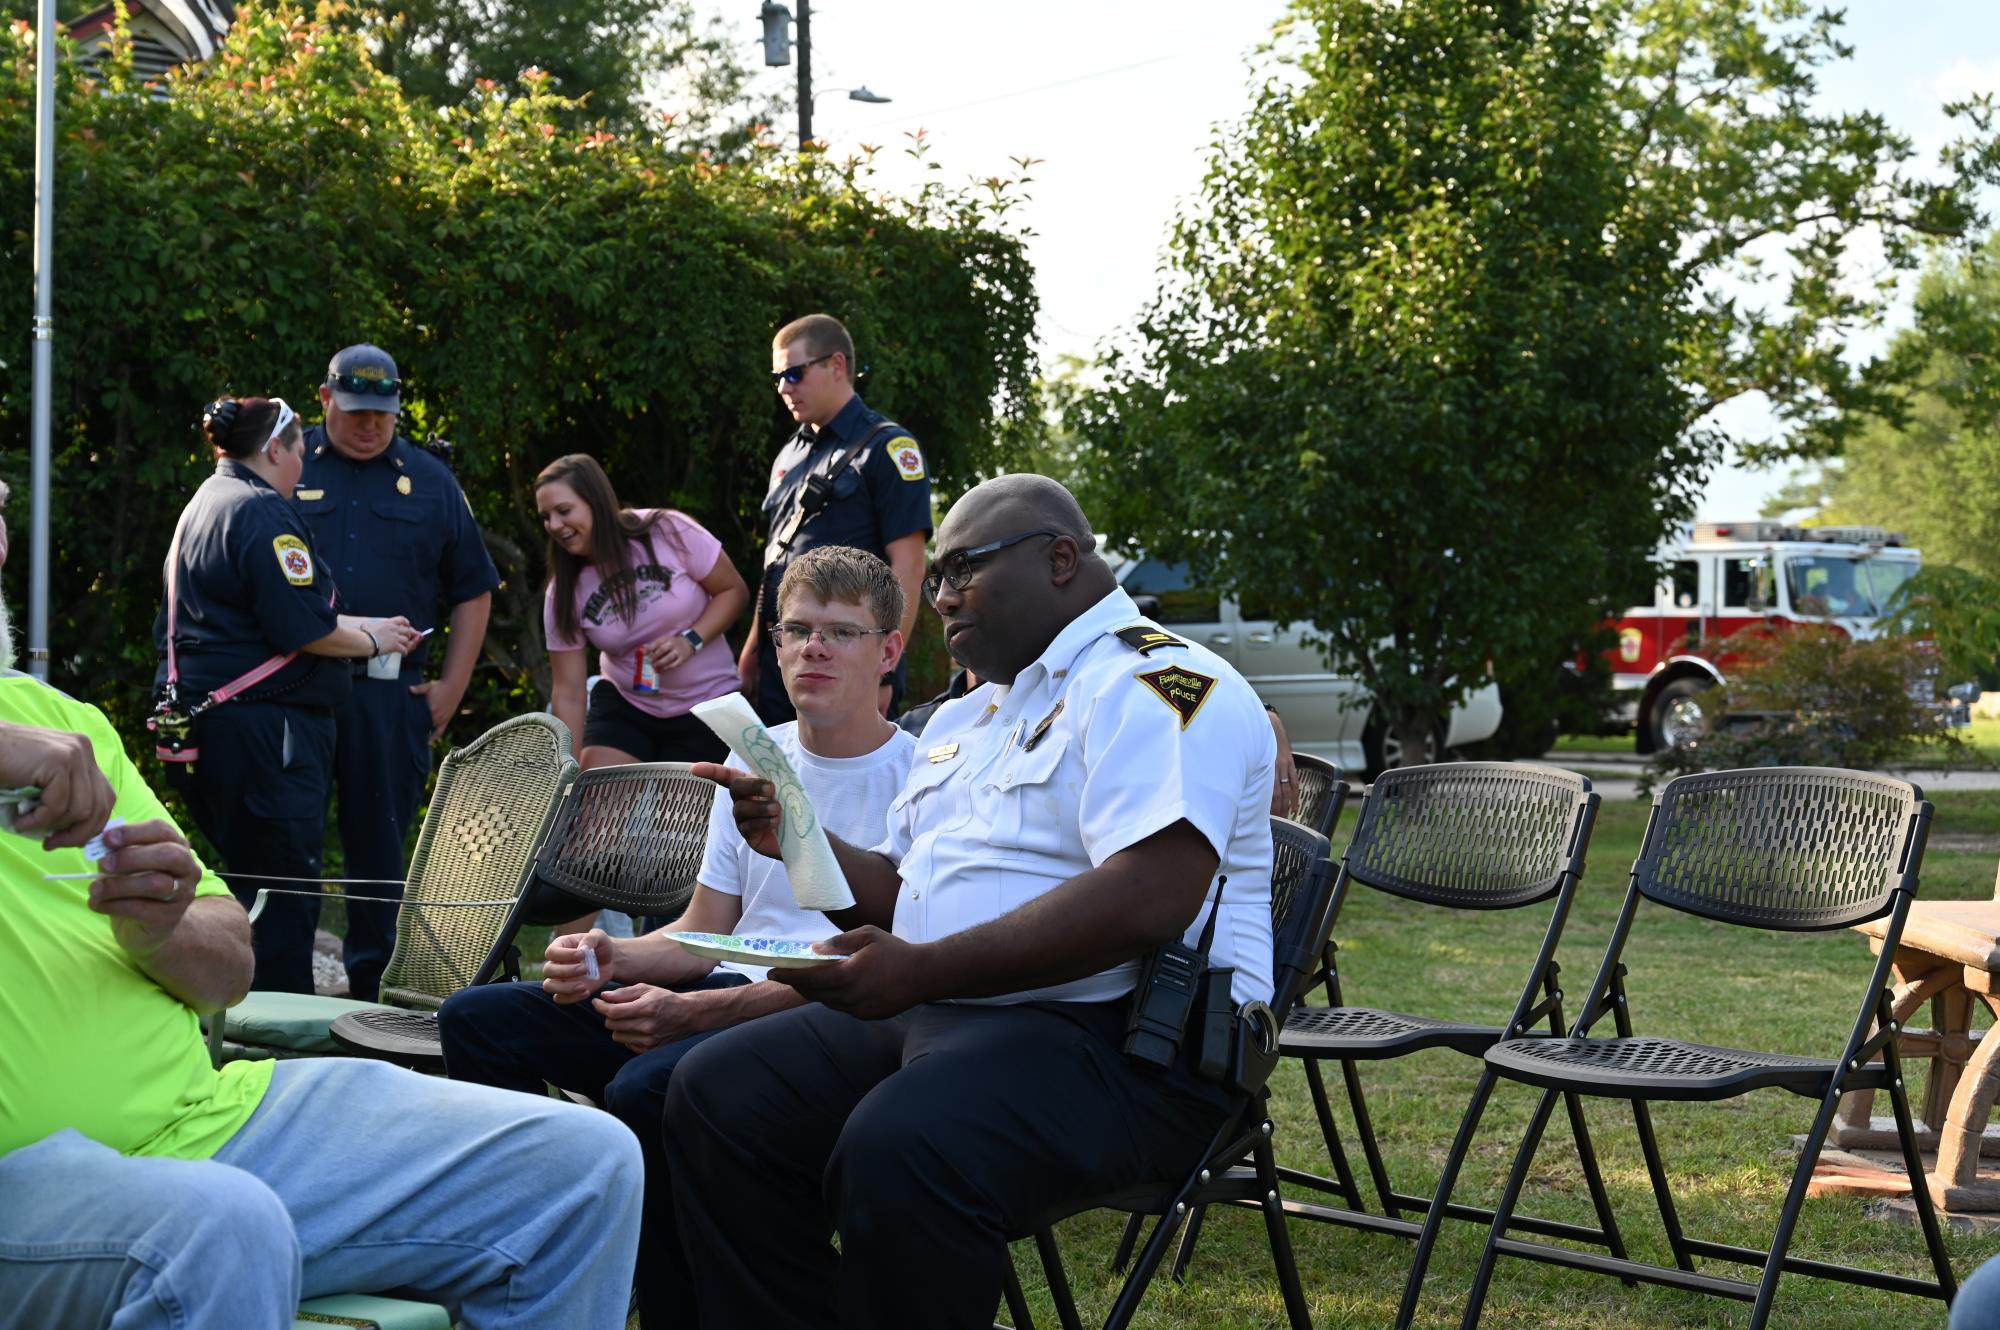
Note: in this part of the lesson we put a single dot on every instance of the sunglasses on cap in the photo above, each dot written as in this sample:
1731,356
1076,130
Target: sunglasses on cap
793,373
354,383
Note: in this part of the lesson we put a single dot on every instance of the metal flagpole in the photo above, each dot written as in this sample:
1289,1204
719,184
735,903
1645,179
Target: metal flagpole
44,354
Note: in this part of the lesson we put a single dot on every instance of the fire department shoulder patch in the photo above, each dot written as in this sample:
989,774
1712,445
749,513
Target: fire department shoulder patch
294,560
1183,689
909,462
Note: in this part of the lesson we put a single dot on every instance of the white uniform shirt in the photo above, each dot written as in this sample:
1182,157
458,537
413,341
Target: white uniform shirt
851,796
1093,748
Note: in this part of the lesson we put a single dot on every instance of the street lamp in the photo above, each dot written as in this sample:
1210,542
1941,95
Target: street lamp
778,43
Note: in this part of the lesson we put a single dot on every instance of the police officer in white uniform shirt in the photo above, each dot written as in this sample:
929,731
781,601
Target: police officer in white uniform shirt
961,1076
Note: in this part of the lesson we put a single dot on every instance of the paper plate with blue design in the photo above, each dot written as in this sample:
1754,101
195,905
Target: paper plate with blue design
778,952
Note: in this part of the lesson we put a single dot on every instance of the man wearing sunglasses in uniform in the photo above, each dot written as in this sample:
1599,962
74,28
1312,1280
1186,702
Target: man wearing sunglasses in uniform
391,521
849,476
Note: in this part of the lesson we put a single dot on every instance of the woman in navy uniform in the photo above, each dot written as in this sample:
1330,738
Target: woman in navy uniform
250,612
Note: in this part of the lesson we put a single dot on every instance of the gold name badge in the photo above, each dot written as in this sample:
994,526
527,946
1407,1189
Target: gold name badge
943,753
310,495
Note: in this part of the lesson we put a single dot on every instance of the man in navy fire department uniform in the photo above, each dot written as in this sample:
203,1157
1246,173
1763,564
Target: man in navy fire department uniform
392,524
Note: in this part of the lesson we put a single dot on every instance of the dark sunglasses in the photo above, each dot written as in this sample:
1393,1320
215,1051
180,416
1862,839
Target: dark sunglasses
354,383
793,373
956,568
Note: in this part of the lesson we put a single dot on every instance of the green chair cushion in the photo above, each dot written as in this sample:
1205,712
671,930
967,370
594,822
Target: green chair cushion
370,1313
297,1021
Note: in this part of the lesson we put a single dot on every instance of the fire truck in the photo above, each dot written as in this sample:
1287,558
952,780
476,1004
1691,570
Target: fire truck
1726,576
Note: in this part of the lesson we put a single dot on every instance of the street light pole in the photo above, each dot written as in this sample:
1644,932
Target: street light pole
805,74
42,370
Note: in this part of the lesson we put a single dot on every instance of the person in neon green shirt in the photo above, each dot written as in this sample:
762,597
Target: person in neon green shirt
144,1188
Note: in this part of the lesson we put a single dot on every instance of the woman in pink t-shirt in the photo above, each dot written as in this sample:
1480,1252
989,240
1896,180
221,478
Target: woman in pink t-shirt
653,592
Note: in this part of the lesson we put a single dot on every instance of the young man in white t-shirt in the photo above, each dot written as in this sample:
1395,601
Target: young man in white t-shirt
652,1002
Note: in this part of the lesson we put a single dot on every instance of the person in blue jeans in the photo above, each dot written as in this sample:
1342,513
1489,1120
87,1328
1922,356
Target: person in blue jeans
146,1188
653,1002
1977,1306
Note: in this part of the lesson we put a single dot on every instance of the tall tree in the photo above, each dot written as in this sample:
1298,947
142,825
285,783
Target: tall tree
1435,364
621,57
1931,467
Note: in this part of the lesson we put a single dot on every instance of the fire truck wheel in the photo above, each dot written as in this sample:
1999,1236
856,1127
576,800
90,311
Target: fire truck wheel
1382,750
1675,717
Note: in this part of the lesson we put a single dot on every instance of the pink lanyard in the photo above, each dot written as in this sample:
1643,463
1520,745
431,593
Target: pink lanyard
250,679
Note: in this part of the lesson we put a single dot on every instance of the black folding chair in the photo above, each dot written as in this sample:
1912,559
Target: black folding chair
630,837
1321,790
1784,849
1239,1166
1456,836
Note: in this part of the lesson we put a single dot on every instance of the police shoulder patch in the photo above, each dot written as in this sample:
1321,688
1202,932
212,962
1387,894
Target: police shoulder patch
1182,689
294,559
909,461
1144,638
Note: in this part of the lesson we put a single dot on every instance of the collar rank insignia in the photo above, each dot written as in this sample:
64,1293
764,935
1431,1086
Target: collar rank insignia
1042,728
943,753
1182,689
1144,638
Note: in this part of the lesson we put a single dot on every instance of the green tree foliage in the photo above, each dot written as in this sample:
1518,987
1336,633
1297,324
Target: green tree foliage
1815,697
1930,468
616,57
1434,364
545,290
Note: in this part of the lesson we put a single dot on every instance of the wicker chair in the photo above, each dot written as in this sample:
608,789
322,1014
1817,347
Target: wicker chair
1240,1167
1782,849
490,809
630,837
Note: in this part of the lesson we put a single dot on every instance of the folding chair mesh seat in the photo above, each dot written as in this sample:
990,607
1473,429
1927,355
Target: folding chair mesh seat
630,837
1239,1167
1780,849
489,810
1321,790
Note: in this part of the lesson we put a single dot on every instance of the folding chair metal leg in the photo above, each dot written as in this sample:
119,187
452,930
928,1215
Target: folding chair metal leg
1516,1179
1434,1218
1795,1199
1280,1235
1343,1172
1920,1191
1144,1269
1184,1253
1017,1302
1586,1153
1365,1131
1663,1196
1052,1270
1127,1241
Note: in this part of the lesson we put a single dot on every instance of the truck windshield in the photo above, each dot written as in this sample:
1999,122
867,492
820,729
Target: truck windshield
1833,586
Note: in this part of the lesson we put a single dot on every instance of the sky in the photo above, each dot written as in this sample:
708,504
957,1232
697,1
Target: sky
1120,99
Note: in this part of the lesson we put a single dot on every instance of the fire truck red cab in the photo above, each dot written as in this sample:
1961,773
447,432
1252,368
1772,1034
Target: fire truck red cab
1726,576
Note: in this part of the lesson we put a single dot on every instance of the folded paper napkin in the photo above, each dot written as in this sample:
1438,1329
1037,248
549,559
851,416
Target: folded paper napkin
817,882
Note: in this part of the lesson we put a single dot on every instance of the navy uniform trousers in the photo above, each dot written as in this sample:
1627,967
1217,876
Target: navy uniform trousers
259,793
382,754
515,1037
928,1141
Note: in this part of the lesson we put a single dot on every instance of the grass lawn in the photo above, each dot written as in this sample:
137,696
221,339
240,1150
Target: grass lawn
1983,738
1730,1163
